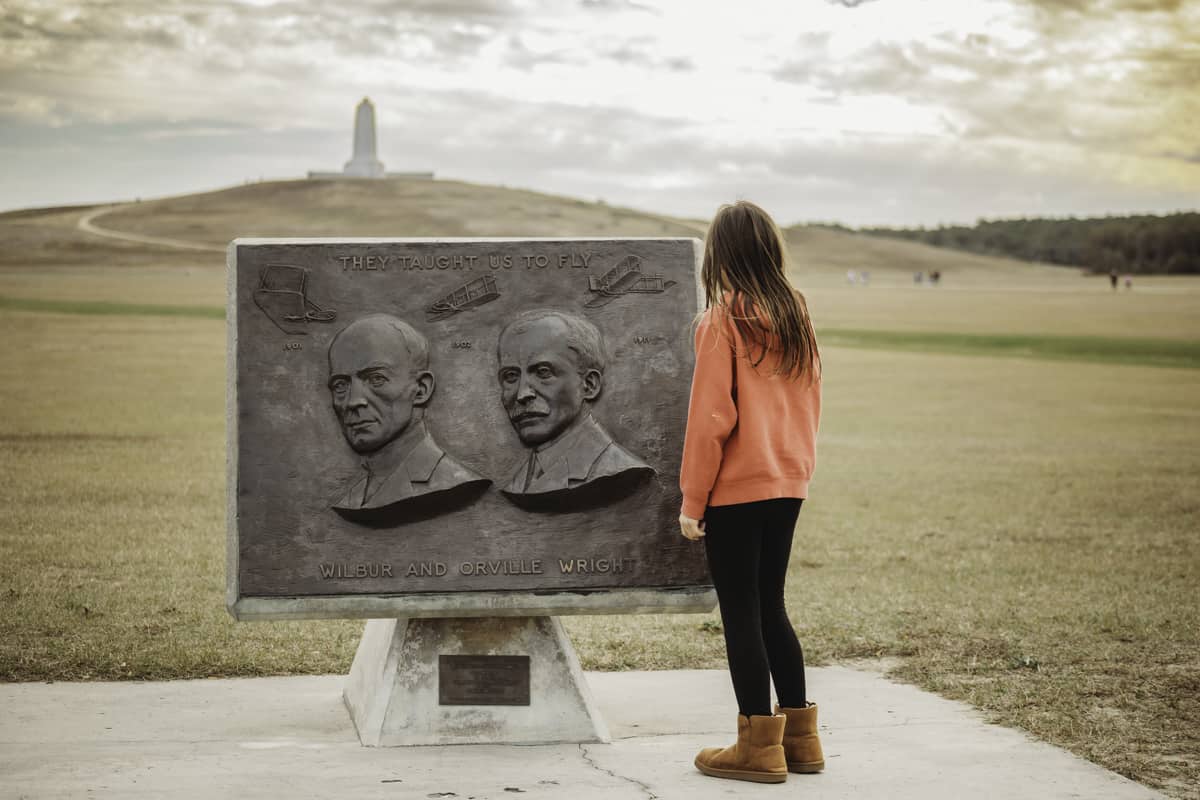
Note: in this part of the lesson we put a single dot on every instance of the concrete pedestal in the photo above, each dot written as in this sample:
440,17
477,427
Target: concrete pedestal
393,688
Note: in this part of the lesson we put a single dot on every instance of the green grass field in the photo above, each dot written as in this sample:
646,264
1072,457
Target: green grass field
1006,508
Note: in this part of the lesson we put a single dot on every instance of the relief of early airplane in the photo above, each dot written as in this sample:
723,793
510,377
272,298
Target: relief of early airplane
625,278
281,295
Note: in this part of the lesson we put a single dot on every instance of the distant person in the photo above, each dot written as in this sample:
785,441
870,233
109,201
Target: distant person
748,455
918,277
1128,281
935,276
1112,277
851,276
865,278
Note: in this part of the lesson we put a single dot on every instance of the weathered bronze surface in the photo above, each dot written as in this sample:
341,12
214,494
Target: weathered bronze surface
483,680
552,366
415,416
380,383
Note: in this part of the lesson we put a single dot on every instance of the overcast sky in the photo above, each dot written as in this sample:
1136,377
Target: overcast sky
868,112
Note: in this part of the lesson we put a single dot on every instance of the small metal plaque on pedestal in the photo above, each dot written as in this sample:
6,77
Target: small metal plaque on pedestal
483,680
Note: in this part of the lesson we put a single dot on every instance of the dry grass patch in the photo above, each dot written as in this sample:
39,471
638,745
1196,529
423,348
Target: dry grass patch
112,476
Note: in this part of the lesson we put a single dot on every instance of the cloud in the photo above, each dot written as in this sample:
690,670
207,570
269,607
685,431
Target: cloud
58,28
1080,75
875,114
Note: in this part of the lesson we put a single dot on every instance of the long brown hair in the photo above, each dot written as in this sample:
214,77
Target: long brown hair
745,274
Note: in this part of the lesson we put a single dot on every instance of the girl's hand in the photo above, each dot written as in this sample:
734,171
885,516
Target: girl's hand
691,528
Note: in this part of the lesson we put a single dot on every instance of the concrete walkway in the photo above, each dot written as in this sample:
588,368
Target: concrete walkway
292,738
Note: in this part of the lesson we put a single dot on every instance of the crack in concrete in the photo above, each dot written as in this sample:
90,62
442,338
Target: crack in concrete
587,757
705,734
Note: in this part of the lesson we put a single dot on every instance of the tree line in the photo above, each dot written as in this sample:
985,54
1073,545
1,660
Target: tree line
1145,244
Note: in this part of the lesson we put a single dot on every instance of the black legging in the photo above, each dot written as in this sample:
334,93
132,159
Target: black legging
748,546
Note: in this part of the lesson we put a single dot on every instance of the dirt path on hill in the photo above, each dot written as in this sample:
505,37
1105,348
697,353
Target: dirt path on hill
87,224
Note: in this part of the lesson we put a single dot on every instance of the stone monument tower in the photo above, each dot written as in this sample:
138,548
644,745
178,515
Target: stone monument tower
363,163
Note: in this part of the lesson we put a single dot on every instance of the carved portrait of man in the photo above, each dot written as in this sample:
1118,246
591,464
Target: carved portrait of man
551,372
380,384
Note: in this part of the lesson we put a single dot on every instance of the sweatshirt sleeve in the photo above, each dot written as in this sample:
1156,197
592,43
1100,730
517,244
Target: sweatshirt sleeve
712,415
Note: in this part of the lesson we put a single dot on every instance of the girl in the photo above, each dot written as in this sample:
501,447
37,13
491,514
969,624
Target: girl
748,456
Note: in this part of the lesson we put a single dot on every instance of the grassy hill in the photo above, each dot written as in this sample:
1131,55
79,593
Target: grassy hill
49,237
382,208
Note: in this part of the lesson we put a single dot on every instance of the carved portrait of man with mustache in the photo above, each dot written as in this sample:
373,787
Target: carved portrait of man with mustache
551,372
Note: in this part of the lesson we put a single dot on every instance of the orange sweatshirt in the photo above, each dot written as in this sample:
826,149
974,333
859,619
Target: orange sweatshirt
750,435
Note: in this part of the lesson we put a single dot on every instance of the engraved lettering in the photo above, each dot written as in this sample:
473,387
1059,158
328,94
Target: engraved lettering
461,345
574,260
589,566
428,262
341,570
541,261
367,263
512,566
293,346
500,261
641,339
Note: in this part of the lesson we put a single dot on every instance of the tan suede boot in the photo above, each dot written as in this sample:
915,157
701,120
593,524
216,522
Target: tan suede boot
801,747
756,756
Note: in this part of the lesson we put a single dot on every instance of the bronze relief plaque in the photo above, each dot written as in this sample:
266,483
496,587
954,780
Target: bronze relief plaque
444,427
